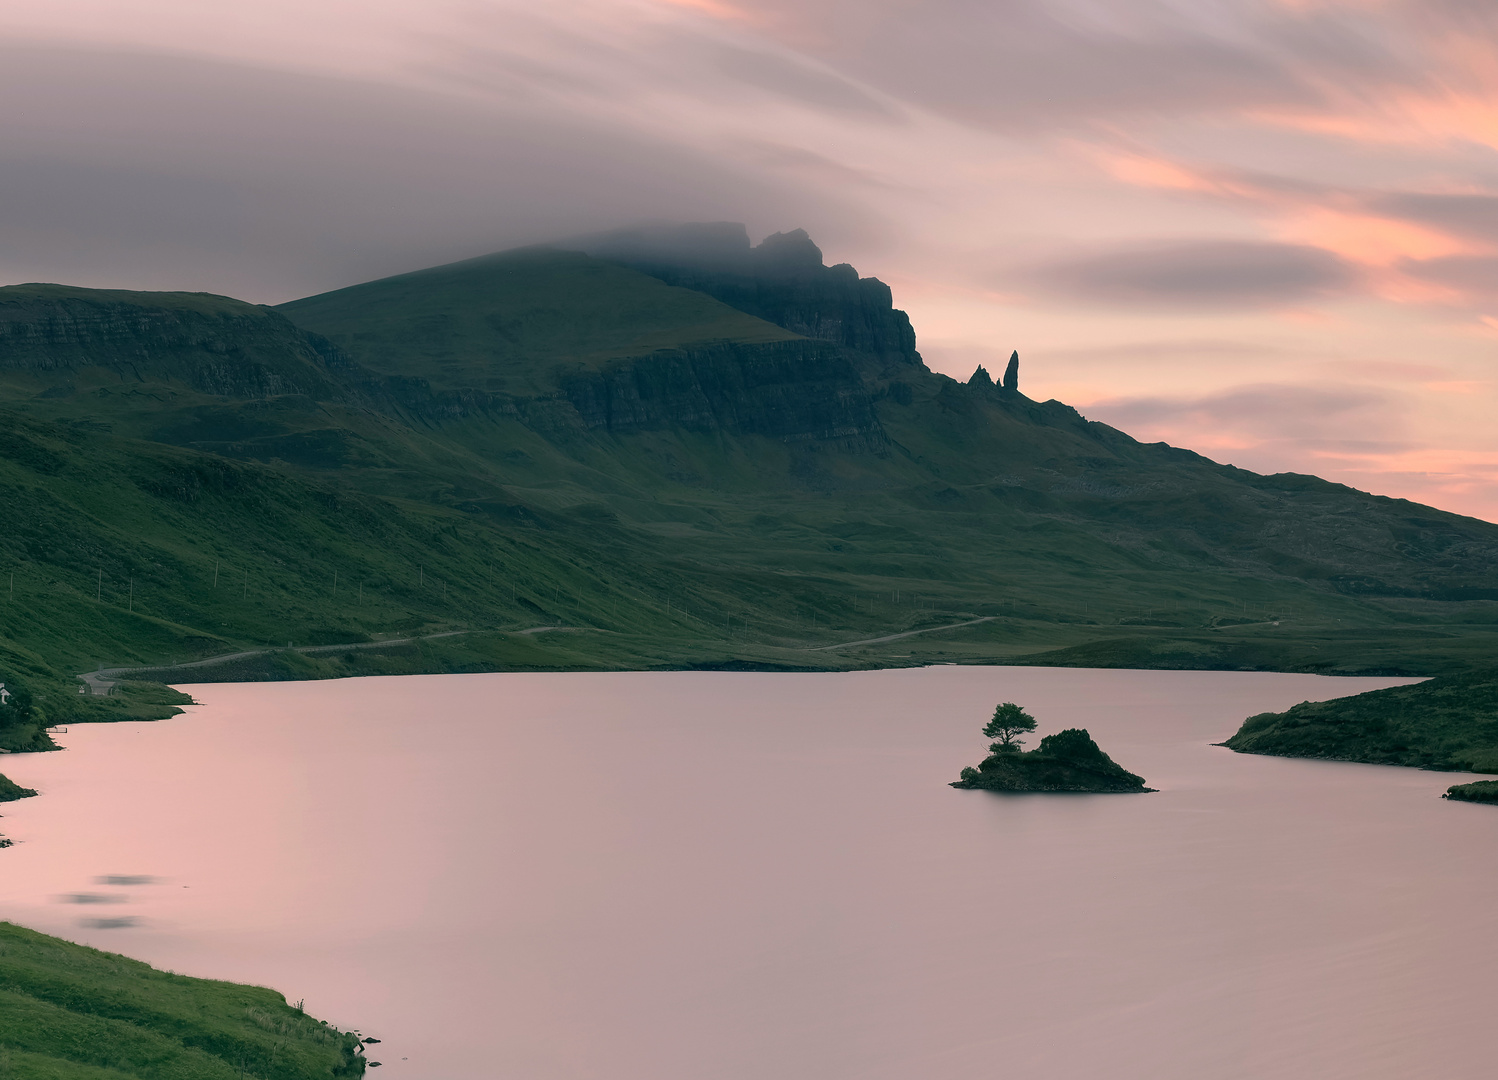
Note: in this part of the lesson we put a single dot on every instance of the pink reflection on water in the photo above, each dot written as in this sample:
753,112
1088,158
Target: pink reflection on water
725,876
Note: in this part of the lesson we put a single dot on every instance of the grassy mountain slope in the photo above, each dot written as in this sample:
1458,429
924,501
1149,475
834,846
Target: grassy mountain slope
509,321
74,1013
100,343
550,438
563,461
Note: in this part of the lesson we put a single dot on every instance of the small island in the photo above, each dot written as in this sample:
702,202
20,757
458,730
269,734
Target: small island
1066,761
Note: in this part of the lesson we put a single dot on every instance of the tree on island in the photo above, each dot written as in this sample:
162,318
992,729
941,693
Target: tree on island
1008,723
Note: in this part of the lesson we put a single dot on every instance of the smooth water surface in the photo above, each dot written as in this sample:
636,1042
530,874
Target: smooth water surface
722,876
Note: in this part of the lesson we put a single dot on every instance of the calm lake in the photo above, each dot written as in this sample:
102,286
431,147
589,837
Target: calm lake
722,876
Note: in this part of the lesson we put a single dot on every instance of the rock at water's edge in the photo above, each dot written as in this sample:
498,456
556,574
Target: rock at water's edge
10,790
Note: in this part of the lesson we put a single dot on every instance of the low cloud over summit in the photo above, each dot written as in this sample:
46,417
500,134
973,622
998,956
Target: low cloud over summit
1308,181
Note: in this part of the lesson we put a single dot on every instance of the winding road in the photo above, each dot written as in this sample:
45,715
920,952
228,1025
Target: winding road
104,680
897,637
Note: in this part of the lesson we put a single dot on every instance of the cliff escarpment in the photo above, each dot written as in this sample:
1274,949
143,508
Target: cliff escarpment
212,344
743,376
792,391
520,333
782,280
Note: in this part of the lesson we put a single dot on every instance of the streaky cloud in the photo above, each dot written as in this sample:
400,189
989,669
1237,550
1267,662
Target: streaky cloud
1211,274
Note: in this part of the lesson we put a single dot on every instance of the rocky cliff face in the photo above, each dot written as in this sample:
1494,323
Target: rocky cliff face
796,390
817,389
783,280
213,344
792,391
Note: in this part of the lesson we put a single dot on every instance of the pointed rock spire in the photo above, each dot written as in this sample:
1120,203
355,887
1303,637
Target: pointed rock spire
981,377
1011,373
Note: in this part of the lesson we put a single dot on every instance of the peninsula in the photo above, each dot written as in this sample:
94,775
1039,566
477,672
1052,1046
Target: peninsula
1448,723
1484,791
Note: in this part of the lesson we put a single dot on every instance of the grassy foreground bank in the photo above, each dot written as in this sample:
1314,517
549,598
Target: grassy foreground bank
68,1012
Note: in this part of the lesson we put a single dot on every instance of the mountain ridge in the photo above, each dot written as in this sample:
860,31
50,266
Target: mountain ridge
782,280
551,437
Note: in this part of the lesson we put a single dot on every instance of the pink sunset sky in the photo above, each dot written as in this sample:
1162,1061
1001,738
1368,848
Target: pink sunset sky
1263,229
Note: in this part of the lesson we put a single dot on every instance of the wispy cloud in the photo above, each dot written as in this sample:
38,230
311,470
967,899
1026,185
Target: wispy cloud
1258,414
1360,435
1210,274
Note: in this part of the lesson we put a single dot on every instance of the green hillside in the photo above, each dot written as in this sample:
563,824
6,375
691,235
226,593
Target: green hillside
667,449
509,321
546,438
75,1013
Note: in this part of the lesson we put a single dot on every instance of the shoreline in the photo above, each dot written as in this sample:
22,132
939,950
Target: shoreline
72,1009
1185,690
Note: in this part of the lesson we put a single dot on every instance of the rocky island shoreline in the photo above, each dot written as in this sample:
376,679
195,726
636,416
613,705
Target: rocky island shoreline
1068,761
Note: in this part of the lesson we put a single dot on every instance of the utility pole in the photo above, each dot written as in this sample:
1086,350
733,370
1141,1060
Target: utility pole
420,577
215,573
335,582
